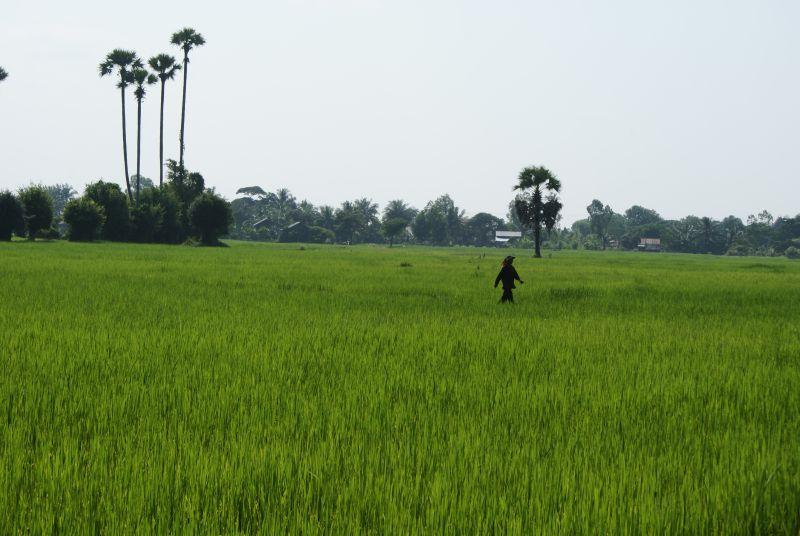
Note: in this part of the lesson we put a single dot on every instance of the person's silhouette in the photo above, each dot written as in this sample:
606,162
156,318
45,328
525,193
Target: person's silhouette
508,274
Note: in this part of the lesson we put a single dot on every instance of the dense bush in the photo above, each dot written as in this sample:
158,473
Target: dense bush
12,215
210,217
321,235
146,222
170,231
738,250
38,209
85,219
792,252
115,205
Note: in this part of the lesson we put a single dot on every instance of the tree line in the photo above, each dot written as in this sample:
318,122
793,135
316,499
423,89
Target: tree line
180,210
761,234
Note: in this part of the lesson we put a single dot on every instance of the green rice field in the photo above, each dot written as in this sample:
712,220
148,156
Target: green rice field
267,388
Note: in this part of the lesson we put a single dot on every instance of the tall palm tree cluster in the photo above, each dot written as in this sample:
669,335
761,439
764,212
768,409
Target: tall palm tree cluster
130,70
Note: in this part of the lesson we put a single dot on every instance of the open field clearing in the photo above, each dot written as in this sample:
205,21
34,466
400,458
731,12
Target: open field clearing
272,388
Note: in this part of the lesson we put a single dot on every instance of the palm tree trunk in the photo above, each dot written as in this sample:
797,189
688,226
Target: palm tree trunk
138,149
125,145
161,140
183,105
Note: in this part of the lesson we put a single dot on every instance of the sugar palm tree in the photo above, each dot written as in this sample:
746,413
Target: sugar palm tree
532,209
166,67
140,78
187,39
122,61
3,74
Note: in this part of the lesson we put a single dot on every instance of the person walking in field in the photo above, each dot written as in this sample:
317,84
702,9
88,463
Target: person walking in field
508,274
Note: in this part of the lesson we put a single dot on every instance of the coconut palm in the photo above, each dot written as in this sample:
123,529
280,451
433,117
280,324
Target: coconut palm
3,74
166,67
140,78
532,209
187,39
122,61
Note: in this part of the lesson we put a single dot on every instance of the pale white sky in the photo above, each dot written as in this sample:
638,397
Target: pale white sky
684,106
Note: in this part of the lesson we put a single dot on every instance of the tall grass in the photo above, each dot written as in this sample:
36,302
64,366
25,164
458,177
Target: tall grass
269,388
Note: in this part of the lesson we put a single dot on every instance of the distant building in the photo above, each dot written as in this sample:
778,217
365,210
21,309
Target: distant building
649,244
502,237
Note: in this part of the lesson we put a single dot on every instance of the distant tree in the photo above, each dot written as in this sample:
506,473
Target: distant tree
141,78
393,228
84,218
115,206
3,74
732,229
396,211
638,215
210,217
685,234
481,228
707,234
165,226
785,231
165,67
146,220
758,232
306,213
61,194
122,61
12,216
252,191
599,219
533,211
145,182
38,209
441,222
399,209
347,222
320,235
370,227
187,39
327,217
186,187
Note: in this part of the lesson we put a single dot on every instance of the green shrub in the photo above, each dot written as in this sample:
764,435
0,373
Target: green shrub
85,219
146,222
738,250
12,216
170,231
38,209
210,217
792,252
49,234
115,205
321,235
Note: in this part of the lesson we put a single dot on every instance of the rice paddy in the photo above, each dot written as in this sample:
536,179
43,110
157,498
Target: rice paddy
279,388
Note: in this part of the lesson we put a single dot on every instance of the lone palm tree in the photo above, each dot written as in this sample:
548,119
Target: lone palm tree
532,209
166,67
187,39
3,74
140,78
122,61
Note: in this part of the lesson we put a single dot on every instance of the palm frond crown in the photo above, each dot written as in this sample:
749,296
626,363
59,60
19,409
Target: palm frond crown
165,65
188,39
3,74
122,61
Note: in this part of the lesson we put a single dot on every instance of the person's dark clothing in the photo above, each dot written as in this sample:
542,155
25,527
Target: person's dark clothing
508,274
508,296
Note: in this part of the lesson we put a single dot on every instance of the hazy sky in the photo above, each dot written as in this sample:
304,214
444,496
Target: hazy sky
684,106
